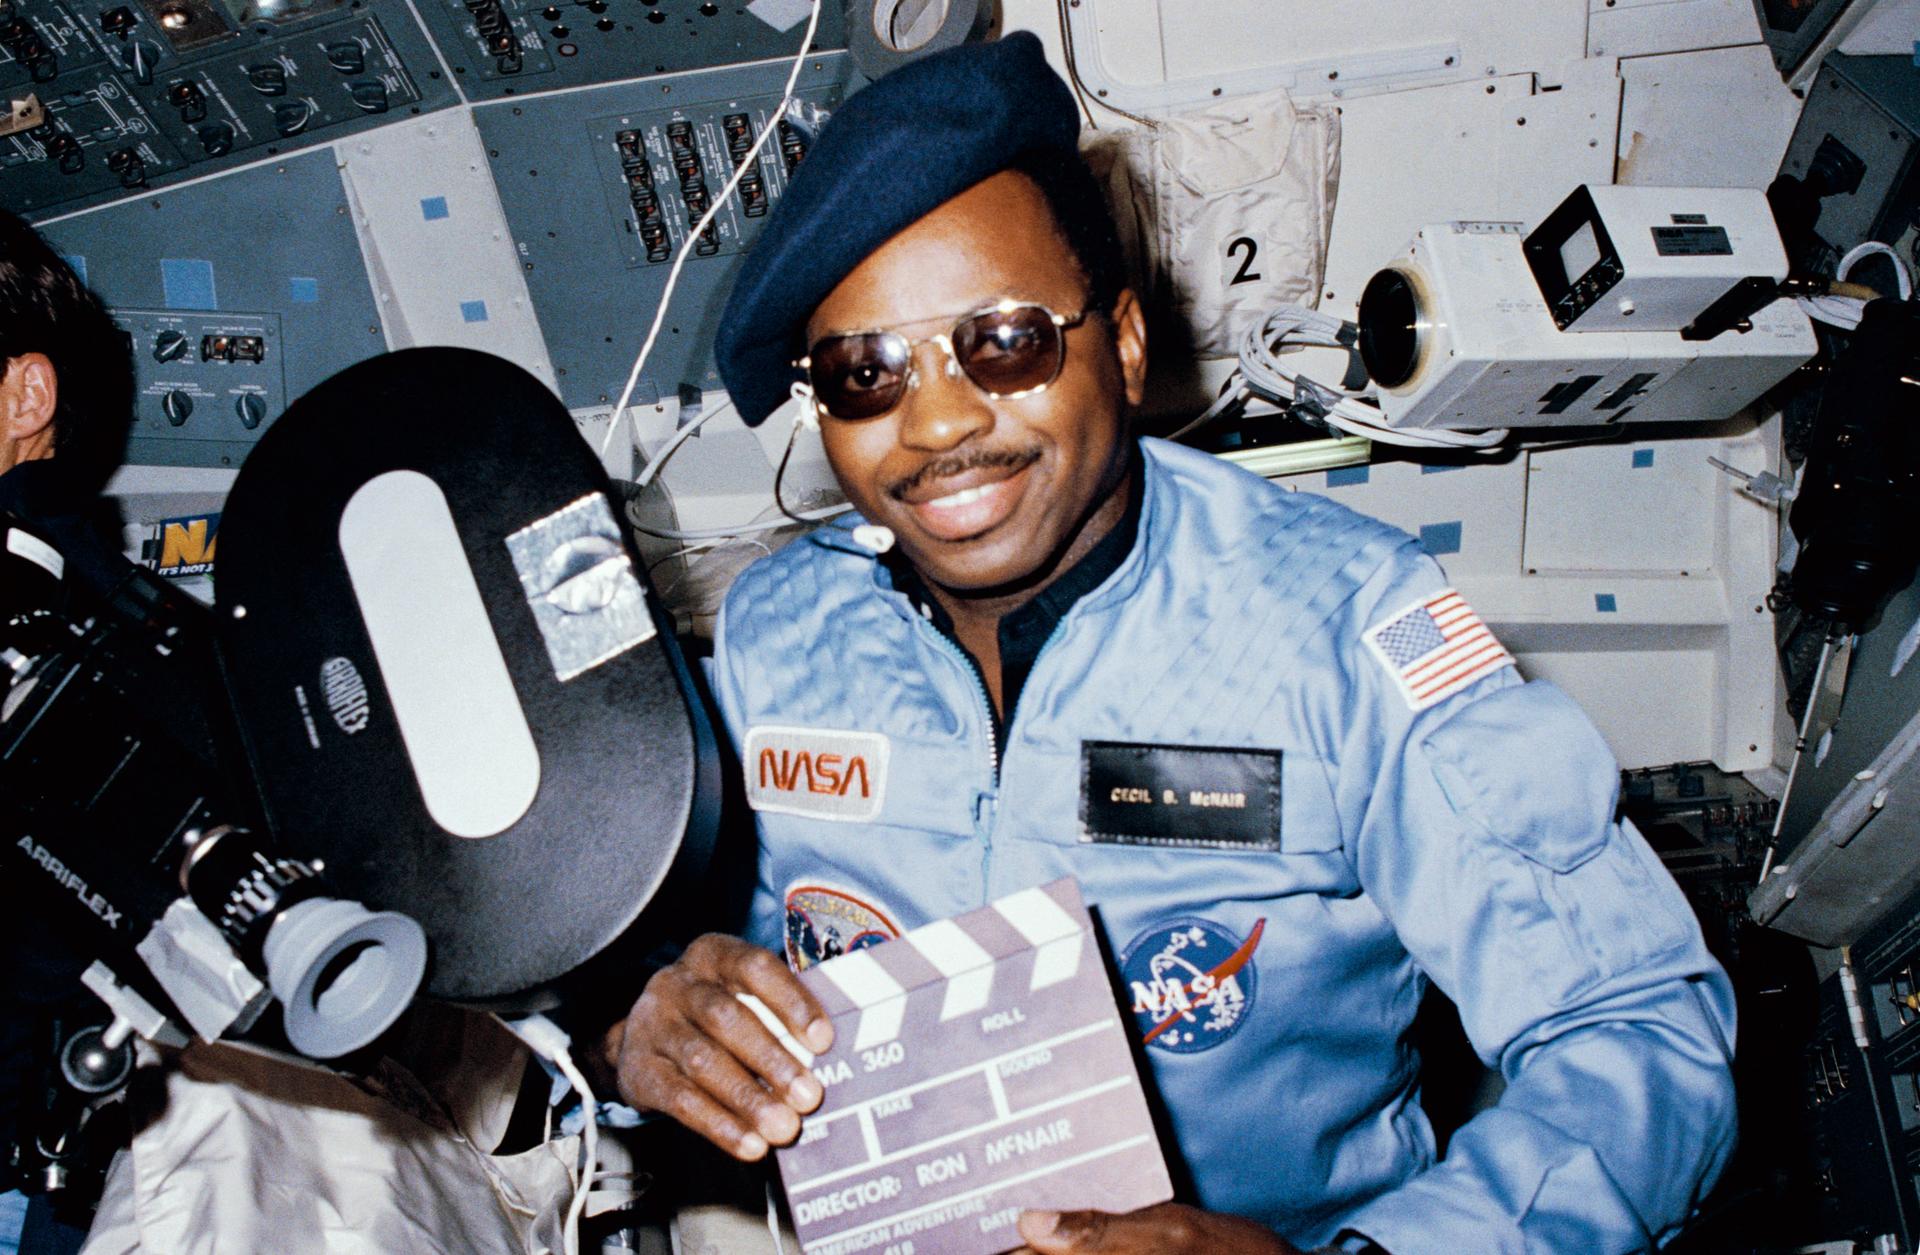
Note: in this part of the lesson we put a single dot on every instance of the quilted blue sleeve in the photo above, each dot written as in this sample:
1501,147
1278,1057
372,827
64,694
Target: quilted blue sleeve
1483,826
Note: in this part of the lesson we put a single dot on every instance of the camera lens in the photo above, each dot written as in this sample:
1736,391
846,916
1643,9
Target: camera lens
1389,319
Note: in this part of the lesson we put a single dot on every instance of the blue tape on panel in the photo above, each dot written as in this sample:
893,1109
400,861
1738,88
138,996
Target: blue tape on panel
1341,476
188,283
1642,458
434,208
1436,468
1604,603
302,290
77,262
473,311
1439,538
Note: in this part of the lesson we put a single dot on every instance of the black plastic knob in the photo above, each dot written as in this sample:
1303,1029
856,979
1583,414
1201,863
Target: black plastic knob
371,96
347,56
216,139
268,78
291,118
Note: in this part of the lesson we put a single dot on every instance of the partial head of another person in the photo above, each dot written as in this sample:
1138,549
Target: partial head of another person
67,387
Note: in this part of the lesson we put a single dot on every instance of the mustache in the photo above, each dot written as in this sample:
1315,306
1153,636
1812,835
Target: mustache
959,463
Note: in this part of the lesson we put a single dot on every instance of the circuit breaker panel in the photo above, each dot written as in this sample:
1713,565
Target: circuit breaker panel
642,162
112,99
195,160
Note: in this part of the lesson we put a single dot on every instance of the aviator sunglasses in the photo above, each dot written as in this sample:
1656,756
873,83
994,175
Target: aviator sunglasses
1010,349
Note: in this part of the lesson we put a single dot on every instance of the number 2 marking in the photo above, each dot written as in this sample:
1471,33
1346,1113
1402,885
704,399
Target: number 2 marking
1246,273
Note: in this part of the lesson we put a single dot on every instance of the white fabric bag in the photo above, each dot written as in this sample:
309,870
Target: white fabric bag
254,1152
1226,211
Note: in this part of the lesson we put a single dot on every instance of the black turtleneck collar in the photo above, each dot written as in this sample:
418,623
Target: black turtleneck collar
1025,632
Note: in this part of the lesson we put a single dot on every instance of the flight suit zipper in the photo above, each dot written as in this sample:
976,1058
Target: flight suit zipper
986,802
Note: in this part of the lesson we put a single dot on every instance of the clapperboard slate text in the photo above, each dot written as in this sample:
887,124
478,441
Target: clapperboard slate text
979,1067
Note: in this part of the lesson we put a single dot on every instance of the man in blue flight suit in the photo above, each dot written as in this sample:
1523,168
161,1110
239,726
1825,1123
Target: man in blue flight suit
1288,766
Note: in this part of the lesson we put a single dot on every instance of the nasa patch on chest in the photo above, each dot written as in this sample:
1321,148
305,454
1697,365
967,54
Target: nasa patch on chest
824,773
1193,983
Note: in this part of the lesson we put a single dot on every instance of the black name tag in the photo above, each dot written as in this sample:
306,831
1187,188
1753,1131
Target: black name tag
1179,795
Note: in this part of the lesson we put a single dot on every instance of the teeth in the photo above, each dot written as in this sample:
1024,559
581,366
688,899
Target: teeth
966,496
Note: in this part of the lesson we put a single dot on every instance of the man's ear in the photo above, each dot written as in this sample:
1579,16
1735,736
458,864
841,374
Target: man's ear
29,393
1130,341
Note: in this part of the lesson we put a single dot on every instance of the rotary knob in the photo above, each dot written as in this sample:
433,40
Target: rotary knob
268,78
291,118
177,406
347,56
371,96
252,409
169,346
216,139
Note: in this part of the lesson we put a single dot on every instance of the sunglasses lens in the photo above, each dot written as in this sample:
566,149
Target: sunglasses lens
860,376
1011,350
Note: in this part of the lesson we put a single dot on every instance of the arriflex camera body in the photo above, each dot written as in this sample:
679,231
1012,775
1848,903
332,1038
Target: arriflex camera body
128,826
432,736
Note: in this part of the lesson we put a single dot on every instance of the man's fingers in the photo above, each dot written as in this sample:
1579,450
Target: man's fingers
692,1049
1054,1232
714,1064
723,1018
762,974
669,1091
1164,1229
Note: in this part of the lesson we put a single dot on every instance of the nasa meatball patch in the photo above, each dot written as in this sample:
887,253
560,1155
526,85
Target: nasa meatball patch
1193,983
820,772
826,921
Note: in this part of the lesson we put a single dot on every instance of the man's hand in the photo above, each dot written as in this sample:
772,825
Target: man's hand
691,1050
1168,1229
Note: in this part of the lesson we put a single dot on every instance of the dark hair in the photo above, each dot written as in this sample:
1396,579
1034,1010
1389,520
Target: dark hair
45,308
1082,217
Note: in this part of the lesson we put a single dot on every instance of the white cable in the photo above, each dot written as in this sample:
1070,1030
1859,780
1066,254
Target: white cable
1868,249
550,1043
1232,392
1262,374
748,162
773,1223
694,554
806,416
1843,312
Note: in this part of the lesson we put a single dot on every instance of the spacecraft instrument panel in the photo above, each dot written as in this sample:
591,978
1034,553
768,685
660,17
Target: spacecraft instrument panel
181,154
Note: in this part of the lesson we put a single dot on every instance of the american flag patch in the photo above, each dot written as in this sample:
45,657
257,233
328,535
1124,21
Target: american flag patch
1435,648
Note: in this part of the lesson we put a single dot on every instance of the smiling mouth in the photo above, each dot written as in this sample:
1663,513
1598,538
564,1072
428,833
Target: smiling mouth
987,497
966,496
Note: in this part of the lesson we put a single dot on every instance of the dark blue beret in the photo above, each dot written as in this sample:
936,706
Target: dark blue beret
891,154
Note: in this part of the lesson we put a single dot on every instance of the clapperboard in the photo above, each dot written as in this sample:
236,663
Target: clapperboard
979,1067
